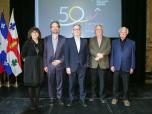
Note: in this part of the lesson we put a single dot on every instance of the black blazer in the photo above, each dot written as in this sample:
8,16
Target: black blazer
72,57
28,49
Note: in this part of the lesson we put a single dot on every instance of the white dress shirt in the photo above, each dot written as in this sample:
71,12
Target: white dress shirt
77,41
99,40
54,42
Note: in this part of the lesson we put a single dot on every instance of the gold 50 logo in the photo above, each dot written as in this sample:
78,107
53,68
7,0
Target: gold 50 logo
68,17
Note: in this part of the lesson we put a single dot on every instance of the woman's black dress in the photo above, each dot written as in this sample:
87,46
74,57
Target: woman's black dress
32,54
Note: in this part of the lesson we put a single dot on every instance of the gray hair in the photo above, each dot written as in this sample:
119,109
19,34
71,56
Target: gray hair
100,25
125,29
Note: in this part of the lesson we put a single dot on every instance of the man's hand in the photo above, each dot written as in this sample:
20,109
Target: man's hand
131,71
56,62
97,58
99,55
112,68
46,69
68,71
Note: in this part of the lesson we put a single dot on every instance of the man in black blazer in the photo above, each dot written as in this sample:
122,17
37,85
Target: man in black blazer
76,56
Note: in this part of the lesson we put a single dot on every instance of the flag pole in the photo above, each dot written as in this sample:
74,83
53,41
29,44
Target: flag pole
8,83
16,83
2,73
1,80
1,11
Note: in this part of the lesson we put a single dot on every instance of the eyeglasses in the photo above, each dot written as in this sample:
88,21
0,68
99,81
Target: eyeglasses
76,29
98,29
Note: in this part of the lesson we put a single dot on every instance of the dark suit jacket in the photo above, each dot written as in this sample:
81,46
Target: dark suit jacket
49,56
72,57
123,59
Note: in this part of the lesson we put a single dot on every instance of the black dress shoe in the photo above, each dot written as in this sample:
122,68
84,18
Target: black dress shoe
69,104
102,100
91,99
39,106
33,107
60,102
51,102
83,104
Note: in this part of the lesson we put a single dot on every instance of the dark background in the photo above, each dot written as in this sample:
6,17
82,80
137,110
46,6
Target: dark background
133,17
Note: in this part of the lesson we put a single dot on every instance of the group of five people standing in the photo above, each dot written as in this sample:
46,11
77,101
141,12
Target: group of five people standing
75,55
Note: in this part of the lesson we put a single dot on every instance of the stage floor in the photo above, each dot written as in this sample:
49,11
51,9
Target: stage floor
16,101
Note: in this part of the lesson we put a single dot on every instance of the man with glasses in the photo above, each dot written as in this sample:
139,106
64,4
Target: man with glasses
76,56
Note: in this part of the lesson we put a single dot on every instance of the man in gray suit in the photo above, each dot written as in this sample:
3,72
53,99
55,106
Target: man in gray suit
54,62
99,61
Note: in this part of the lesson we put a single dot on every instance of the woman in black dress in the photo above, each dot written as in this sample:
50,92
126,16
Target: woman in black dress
32,54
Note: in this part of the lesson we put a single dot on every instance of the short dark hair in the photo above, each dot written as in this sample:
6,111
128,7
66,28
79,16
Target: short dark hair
77,25
55,22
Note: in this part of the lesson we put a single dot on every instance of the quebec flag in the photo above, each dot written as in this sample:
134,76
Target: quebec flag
13,49
3,45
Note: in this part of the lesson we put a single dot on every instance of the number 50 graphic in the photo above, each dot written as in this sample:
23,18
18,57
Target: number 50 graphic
67,14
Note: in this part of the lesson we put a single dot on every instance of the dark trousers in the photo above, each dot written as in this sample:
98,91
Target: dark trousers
80,73
98,73
125,81
55,80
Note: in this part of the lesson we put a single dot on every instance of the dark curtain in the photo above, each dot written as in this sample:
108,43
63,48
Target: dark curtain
24,14
134,17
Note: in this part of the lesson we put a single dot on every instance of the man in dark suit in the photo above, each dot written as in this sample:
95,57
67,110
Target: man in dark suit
99,47
54,62
122,63
76,55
